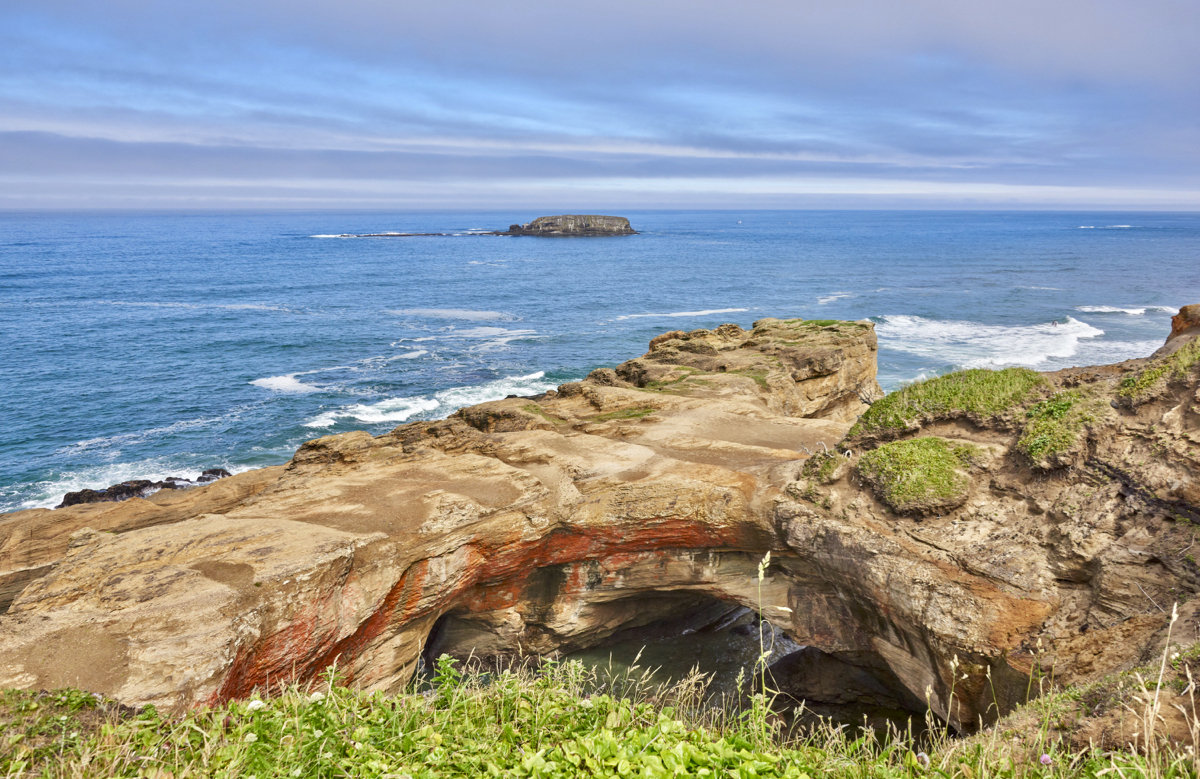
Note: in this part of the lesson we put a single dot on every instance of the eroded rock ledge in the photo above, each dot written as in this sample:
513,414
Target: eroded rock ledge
555,522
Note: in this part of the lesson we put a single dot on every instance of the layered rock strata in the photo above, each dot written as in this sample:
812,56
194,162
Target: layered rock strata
556,522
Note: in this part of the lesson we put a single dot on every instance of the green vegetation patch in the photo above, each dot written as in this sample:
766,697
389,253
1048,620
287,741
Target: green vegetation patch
759,376
1141,384
556,720
976,391
538,411
553,722
822,467
919,475
637,412
1054,425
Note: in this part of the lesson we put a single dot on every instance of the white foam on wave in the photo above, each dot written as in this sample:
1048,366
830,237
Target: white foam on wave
49,493
1111,310
339,235
832,296
1132,311
706,312
195,306
445,402
390,410
115,442
455,313
287,383
977,345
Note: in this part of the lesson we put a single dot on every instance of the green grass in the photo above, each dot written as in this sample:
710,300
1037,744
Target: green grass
1053,426
558,720
822,466
976,391
759,376
919,474
537,410
636,412
1141,384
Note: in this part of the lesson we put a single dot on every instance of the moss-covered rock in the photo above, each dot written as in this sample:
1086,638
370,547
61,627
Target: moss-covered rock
1054,427
980,392
920,475
1151,380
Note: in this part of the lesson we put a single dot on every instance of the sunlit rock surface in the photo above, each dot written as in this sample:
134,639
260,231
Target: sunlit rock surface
554,523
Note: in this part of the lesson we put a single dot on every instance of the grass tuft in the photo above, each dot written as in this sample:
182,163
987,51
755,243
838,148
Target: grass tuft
1053,426
976,391
919,475
1143,383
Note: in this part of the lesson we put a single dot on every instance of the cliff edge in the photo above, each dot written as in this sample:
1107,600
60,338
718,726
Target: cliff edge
970,532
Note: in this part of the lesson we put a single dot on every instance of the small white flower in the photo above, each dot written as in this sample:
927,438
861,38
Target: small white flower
298,772
250,738
318,733
255,705
316,697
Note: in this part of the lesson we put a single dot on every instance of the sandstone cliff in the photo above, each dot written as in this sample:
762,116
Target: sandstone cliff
1053,527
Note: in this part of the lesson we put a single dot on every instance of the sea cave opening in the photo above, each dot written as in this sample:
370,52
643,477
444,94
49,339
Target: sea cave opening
663,638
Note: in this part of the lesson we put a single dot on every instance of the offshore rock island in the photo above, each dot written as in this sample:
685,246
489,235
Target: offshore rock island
568,225
957,535
561,226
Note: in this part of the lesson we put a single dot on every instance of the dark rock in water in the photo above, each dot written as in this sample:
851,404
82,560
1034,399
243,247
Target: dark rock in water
140,488
567,225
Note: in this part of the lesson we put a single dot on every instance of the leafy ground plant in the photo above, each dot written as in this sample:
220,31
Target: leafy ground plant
555,720
976,391
919,475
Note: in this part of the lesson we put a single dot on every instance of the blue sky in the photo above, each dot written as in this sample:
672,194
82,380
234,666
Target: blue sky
392,104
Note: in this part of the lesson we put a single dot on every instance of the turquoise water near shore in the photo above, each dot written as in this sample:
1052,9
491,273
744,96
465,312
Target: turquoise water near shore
149,345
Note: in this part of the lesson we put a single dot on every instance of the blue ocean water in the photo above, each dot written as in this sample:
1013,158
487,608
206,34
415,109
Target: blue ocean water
149,345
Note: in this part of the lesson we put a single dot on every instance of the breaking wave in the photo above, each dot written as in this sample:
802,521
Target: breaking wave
444,403
287,383
976,345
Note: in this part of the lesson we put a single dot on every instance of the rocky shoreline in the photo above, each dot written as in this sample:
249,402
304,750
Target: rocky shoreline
1047,525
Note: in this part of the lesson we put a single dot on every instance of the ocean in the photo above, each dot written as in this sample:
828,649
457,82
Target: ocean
147,345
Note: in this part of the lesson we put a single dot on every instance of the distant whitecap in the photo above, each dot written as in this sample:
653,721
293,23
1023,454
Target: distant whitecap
287,383
455,313
706,312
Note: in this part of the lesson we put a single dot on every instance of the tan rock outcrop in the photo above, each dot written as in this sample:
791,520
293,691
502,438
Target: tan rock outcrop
555,522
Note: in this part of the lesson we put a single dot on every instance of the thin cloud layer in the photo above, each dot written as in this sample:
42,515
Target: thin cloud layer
927,103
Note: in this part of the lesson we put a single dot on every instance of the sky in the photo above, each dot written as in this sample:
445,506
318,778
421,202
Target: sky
363,104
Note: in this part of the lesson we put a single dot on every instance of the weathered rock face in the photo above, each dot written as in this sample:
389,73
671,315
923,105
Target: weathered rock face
555,522
573,225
